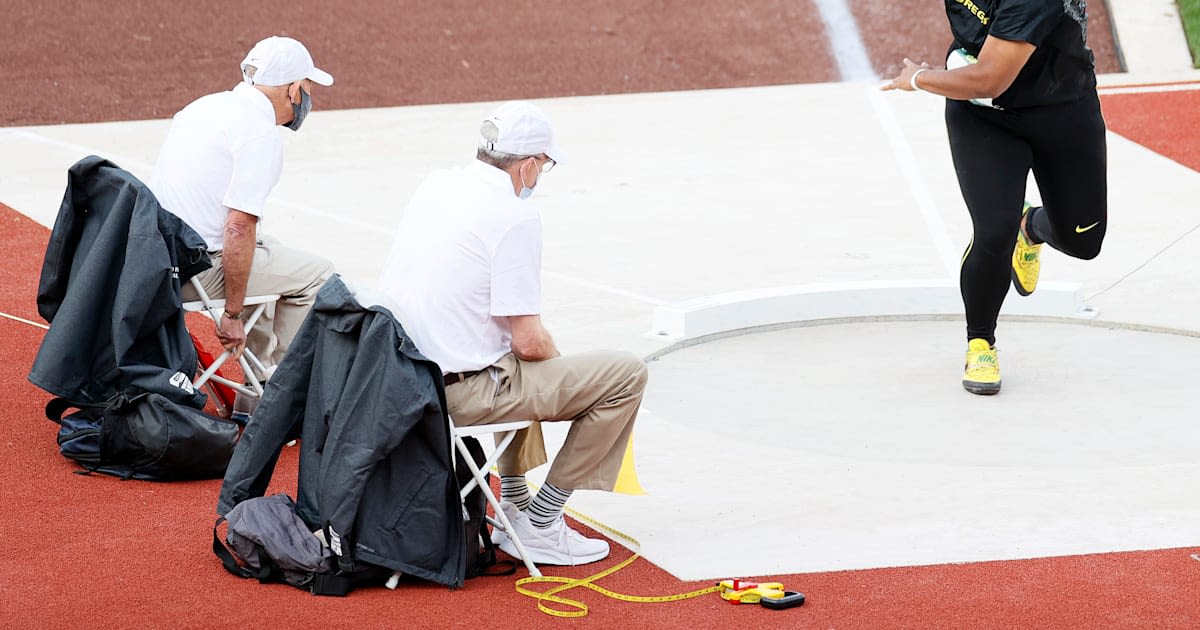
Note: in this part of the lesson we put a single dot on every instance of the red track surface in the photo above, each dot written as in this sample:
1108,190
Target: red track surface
1165,122
98,552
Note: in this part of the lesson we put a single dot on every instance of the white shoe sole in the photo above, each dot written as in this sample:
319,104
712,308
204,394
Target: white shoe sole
543,556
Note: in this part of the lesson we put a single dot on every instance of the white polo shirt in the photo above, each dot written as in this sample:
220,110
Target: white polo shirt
468,254
222,151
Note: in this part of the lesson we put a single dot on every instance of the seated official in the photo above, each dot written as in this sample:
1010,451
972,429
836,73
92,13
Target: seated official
222,157
465,273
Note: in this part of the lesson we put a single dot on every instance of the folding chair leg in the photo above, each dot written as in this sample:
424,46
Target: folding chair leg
508,529
221,396
248,362
476,475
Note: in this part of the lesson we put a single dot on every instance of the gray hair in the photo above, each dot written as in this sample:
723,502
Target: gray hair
499,159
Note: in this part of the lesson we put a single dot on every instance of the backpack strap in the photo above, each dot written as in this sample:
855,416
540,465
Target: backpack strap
331,584
340,584
487,563
58,406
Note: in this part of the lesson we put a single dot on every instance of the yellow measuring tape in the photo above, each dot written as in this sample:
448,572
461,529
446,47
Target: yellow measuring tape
580,609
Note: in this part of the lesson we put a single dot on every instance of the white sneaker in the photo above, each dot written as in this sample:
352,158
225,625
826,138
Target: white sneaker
557,544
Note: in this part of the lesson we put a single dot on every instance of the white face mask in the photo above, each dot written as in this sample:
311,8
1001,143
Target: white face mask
525,190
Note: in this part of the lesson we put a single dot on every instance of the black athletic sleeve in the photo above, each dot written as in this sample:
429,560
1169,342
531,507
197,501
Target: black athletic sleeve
1029,21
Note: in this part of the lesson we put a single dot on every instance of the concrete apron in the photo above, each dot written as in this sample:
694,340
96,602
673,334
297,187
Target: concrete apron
852,445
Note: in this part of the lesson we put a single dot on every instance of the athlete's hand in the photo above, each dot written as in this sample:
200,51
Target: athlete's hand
903,81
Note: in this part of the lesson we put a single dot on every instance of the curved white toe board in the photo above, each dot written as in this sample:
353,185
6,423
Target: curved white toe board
725,312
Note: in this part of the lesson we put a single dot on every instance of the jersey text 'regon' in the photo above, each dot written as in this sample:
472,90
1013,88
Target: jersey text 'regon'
975,10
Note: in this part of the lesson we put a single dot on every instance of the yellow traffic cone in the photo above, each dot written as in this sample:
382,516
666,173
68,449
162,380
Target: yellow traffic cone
627,480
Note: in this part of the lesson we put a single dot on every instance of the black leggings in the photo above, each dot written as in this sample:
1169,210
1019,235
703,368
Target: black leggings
993,152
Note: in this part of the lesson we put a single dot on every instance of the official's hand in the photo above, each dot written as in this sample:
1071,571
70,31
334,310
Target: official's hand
232,334
903,81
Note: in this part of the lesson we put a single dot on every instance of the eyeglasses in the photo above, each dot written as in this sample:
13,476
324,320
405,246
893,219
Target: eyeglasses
547,164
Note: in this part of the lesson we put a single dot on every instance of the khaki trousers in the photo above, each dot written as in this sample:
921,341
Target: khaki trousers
294,274
597,392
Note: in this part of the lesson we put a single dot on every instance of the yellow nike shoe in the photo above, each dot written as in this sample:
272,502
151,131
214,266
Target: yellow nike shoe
982,372
1026,261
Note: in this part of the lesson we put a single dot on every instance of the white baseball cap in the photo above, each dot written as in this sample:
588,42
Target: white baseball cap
280,61
520,128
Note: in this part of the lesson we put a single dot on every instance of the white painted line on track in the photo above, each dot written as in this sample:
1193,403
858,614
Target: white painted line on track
907,161
131,164
375,228
23,320
122,161
607,289
1148,89
848,50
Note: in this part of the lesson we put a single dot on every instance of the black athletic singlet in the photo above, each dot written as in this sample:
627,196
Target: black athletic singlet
1061,70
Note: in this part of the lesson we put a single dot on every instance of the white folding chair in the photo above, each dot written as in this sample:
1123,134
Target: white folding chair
504,434
213,308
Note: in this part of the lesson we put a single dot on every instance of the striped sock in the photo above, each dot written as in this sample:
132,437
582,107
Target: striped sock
515,490
547,506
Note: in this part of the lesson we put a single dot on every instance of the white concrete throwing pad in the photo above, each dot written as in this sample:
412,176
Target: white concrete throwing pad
854,446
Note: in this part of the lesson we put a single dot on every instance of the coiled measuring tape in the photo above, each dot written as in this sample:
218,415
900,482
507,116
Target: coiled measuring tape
580,609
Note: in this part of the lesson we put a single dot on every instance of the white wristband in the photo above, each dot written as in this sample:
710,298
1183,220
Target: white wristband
913,81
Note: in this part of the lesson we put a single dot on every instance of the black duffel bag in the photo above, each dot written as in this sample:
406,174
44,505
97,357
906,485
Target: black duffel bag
146,436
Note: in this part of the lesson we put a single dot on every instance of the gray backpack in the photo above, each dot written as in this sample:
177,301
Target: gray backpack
274,544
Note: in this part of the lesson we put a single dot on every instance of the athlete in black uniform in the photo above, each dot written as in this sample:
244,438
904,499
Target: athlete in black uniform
1034,64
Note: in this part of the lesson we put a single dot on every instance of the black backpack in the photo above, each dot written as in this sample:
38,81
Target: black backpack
145,436
481,553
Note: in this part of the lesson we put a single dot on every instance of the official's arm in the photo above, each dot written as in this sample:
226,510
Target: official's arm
530,339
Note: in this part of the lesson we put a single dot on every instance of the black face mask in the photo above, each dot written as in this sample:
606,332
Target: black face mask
300,111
